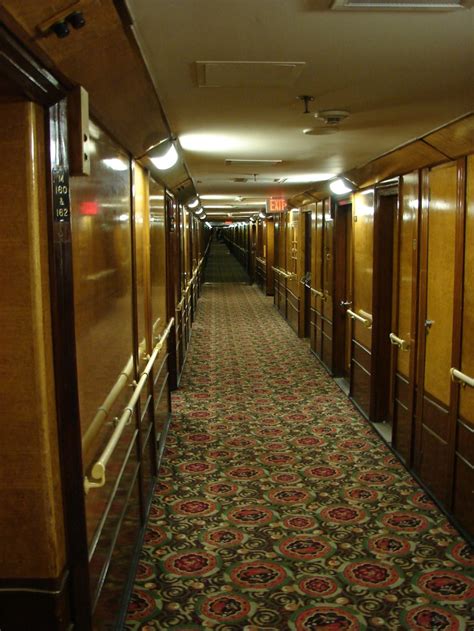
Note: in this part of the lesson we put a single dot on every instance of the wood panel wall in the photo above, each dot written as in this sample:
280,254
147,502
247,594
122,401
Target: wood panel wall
31,513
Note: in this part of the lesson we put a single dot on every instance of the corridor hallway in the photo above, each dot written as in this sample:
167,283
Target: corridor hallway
278,506
222,267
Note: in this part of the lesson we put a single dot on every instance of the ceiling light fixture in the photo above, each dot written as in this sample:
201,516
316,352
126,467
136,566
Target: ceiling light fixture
193,203
164,154
199,211
341,186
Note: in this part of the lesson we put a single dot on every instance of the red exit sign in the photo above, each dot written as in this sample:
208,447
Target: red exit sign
276,205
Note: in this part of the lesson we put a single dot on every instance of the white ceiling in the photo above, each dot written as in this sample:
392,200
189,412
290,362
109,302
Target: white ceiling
400,75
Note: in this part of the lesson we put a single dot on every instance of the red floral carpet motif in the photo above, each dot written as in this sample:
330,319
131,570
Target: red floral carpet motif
278,506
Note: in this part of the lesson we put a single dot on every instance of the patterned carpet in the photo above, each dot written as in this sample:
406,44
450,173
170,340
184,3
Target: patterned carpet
278,507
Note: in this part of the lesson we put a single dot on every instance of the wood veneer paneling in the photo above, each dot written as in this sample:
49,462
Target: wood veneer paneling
440,280
157,258
466,405
456,139
31,511
363,252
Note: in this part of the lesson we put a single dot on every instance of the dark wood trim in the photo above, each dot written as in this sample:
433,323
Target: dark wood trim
66,383
31,76
46,599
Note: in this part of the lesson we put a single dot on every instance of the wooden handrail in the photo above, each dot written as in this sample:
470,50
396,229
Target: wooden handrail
99,467
459,377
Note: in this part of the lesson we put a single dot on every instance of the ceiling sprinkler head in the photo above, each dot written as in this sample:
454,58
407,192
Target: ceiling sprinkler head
306,98
332,117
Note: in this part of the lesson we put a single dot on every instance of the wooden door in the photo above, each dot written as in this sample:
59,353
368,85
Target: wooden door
293,267
306,280
280,264
463,495
269,255
435,416
327,314
360,312
317,293
404,317
342,290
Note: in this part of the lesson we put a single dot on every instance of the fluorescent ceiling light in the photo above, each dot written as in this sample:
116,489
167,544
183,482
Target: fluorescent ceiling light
306,178
160,197
217,206
340,187
116,164
210,143
168,160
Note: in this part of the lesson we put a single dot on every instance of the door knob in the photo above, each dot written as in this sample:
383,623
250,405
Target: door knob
428,325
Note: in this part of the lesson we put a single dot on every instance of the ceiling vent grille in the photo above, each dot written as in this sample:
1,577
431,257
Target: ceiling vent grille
251,162
241,74
400,5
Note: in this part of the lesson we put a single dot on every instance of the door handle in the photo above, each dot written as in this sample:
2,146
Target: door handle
428,324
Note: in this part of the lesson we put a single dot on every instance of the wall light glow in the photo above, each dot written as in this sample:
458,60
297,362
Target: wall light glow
307,178
116,164
210,143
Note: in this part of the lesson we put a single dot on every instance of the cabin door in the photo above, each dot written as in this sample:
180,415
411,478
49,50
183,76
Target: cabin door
342,293
463,495
403,330
306,280
435,417
293,265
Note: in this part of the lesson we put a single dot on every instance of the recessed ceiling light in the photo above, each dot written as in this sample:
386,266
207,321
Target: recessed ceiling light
306,178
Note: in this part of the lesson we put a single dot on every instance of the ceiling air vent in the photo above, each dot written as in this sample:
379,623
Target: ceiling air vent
241,74
251,162
400,5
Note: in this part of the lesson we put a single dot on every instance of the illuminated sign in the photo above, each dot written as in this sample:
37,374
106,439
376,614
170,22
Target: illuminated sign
276,205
